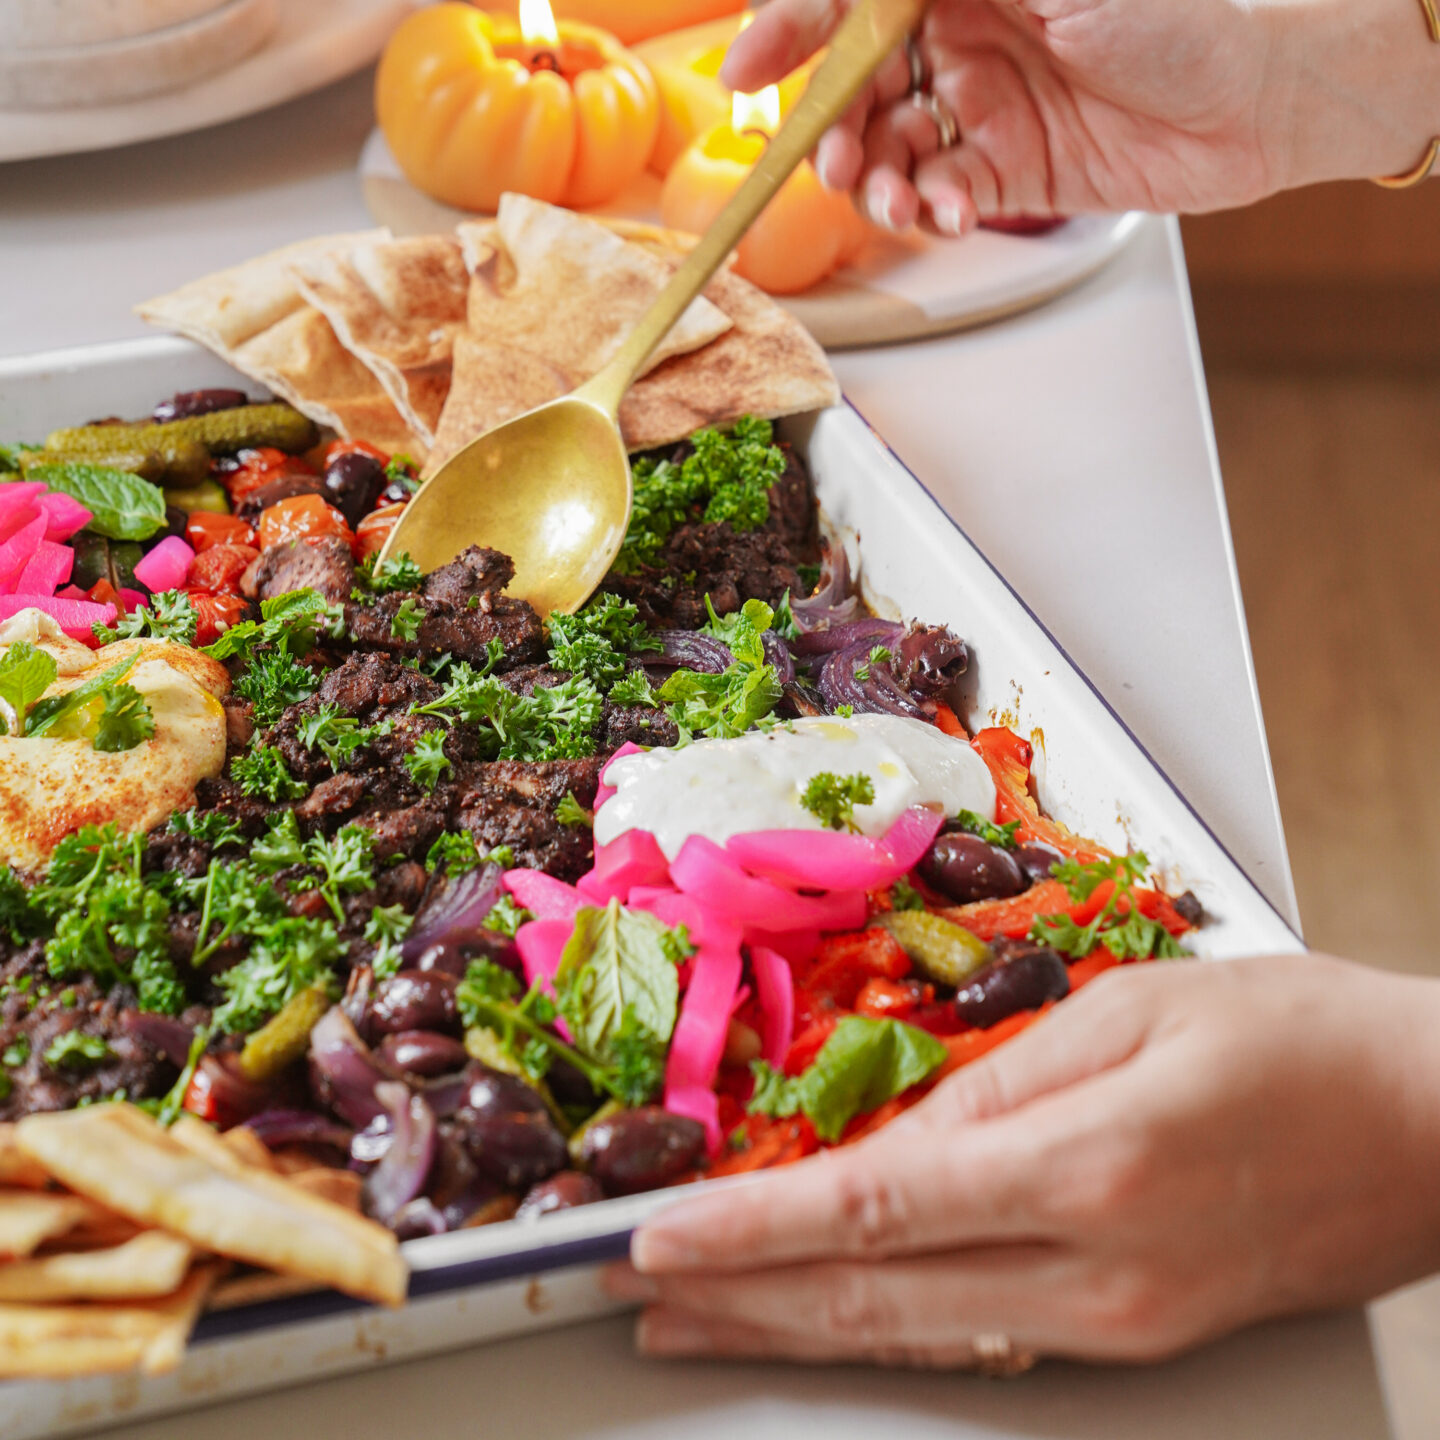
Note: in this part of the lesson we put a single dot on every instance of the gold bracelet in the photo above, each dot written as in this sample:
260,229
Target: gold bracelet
1423,169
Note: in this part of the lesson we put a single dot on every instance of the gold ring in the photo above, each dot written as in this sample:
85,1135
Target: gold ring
1415,176
945,122
918,78
999,1358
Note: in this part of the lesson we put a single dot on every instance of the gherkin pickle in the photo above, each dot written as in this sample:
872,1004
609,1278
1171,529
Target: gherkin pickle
222,432
285,1037
207,495
942,951
97,558
175,462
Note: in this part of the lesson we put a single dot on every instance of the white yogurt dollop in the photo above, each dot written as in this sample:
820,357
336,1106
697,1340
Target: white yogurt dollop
720,788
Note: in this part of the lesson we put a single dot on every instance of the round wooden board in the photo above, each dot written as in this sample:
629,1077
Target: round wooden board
901,287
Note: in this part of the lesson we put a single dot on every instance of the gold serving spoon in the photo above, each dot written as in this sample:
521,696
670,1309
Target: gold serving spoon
552,488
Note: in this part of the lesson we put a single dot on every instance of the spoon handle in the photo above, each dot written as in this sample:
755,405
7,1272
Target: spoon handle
868,34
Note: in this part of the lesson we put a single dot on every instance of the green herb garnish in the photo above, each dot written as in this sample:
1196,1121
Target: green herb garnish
832,799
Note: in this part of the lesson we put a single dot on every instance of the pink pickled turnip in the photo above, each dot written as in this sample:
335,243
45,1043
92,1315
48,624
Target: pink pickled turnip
700,1030
19,505
74,617
633,858
47,569
167,566
17,552
64,515
705,872
72,592
545,897
775,991
700,1104
18,519
833,860
541,943
132,600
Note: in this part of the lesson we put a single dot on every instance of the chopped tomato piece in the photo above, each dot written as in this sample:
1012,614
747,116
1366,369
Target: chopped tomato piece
214,614
102,592
939,1018
200,1096
1008,759
374,530
896,998
337,448
948,721
218,569
808,1044
259,467
203,528
845,962
302,517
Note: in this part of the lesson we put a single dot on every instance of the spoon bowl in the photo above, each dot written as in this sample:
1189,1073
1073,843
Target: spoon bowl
552,489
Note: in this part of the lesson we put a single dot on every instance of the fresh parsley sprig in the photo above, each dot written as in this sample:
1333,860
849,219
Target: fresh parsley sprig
170,615
832,798
1119,925
1001,836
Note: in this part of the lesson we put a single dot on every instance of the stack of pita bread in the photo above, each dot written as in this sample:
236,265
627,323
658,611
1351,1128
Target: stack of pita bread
421,344
115,1233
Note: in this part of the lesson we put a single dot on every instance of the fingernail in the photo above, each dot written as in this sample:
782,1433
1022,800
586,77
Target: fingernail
653,1249
949,219
825,169
621,1282
666,1332
887,213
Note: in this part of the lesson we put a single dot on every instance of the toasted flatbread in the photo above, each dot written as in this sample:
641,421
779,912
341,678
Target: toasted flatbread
28,1218
396,305
149,1265
119,1156
254,317
17,1168
84,1339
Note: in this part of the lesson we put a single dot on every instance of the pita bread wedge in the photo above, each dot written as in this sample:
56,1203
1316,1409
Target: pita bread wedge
396,305
151,1264
28,1218
17,1168
118,1154
254,317
83,1339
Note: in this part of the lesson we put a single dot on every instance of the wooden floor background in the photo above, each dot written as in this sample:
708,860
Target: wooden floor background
1319,318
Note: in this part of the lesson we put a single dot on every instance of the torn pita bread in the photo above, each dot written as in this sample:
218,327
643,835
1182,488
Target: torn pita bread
766,364
83,1339
17,1168
120,1156
396,305
28,1218
254,317
150,1265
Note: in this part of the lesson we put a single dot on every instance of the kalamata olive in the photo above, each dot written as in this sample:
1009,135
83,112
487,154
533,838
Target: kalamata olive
422,1052
965,868
176,520
454,953
415,1000
353,482
560,1192
283,487
502,1124
198,402
1035,860
394,493
1189,908
641,1149
1024,983
570,1087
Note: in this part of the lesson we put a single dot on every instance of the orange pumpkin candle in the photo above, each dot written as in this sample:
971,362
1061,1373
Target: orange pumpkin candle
803,235
473,105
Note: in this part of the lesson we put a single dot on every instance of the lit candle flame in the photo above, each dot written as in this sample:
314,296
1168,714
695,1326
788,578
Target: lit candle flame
537,23
760,111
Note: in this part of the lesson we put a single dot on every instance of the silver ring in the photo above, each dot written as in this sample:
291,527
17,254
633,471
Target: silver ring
945,122
918,78
997,1356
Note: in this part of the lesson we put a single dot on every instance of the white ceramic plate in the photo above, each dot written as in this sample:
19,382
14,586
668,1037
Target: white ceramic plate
315,43
505,1279
900,288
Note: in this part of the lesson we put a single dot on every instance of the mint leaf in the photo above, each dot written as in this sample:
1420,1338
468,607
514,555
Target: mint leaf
122,506
25,675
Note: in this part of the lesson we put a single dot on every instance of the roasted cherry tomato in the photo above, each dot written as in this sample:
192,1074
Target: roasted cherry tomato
204,528
336,448
254,468
374,530
214,614
302,517
896,998
219,568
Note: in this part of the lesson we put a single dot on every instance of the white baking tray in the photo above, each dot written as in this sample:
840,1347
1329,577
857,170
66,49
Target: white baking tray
505,1279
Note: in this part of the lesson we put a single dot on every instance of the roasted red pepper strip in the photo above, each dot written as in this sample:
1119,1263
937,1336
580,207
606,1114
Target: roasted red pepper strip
767,1143
1008,758
948,721
975,1043
1082,972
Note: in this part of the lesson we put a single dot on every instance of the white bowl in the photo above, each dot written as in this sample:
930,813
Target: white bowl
45,24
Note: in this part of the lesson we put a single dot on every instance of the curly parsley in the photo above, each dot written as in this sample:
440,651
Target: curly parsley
427,761
263,775
407,619
170,615
832,798
1001,836
1119,926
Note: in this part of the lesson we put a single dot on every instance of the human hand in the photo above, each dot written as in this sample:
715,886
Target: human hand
1067,106
1175,1151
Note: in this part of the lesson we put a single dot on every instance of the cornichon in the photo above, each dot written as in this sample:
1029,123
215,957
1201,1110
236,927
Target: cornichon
285,1037
178,462
942,950
222,432
207,495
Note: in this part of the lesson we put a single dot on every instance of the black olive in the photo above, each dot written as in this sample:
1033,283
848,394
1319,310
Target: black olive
1035,860
964,868
423,1052
353,482
560,1192
415,1000
1025,982
198,402
641,1149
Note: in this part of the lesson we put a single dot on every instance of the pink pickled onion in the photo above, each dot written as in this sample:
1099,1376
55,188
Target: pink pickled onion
831,860
75,617
704,871
64,515
542,895
631,859
775,987
541,943
17,552
699,1038
167,566
47,569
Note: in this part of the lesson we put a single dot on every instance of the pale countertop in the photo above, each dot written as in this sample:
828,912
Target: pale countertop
1075,446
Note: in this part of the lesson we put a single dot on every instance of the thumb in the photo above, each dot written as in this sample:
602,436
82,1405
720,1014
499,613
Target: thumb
1100,1029
785,34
